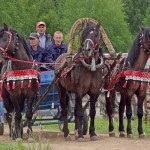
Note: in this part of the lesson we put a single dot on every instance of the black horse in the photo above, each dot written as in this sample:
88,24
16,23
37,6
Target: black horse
83,75
19,80
131,76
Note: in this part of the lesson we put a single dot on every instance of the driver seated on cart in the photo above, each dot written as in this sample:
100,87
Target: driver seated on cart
38,53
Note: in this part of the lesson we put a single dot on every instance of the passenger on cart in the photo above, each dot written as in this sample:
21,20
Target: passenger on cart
57,48
38,53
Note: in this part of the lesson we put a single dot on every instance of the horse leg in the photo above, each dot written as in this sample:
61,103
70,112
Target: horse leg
93,99
9,120
64,100
140,114
121,112
79,117
129,115
76,122
16,116
110,106
9,108
29,114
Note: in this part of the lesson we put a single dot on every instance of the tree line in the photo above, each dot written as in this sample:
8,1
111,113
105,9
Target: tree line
120,18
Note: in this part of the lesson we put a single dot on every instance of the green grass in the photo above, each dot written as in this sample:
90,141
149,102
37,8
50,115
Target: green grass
101,126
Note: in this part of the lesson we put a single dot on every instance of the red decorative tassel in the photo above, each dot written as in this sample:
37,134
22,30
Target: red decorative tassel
29,85
8,86
125,84
148,86
134,85
38,83
13,86
142,86
21,84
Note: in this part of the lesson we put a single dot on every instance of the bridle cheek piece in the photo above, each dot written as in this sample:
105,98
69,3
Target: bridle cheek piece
7,46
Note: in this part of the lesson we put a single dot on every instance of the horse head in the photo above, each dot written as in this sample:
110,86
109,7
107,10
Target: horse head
13,46
11,41
145,38
140,49
91,39
8,42
90,42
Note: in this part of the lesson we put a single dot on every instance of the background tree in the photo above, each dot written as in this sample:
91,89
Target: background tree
135,11
61,14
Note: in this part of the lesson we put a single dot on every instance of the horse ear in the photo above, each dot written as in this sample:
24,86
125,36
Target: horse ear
98,25
141,28
5,27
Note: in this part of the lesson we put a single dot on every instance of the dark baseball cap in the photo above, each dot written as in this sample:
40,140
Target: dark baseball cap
33,36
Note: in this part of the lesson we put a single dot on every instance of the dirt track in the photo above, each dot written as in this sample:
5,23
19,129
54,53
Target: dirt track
56,141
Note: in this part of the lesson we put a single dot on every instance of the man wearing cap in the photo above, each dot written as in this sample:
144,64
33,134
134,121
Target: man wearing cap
38,53
45,39
58,47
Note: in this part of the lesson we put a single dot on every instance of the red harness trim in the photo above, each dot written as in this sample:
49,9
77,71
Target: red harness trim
21,73
128,73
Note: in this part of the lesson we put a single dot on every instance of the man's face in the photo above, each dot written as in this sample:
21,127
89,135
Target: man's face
41,29
58,38
34,41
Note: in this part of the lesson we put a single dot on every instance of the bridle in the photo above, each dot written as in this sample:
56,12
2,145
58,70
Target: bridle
142,43
4,50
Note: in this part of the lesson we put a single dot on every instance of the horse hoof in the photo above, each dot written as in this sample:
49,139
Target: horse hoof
112,134
30,140
19,140
94,138
68,138
122,134
76,137
80,140
142,136
130,136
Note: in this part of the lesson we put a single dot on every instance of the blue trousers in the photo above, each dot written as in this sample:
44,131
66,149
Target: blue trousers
2,111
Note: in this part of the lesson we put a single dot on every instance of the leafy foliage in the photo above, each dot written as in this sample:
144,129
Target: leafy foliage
136,11
116,16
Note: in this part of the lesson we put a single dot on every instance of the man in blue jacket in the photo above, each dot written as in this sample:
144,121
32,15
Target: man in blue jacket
38,53
58,47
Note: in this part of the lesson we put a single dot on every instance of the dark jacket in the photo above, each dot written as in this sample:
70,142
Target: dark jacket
38,55
54,52
48,41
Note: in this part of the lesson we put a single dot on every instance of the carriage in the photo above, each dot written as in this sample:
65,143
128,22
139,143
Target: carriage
85,72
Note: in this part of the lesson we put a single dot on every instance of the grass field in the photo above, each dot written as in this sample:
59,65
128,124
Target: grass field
101,126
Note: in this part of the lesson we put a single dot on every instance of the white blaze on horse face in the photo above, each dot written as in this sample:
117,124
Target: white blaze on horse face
87,46
87,43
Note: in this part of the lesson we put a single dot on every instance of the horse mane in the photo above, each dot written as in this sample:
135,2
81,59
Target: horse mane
134,50
22,40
